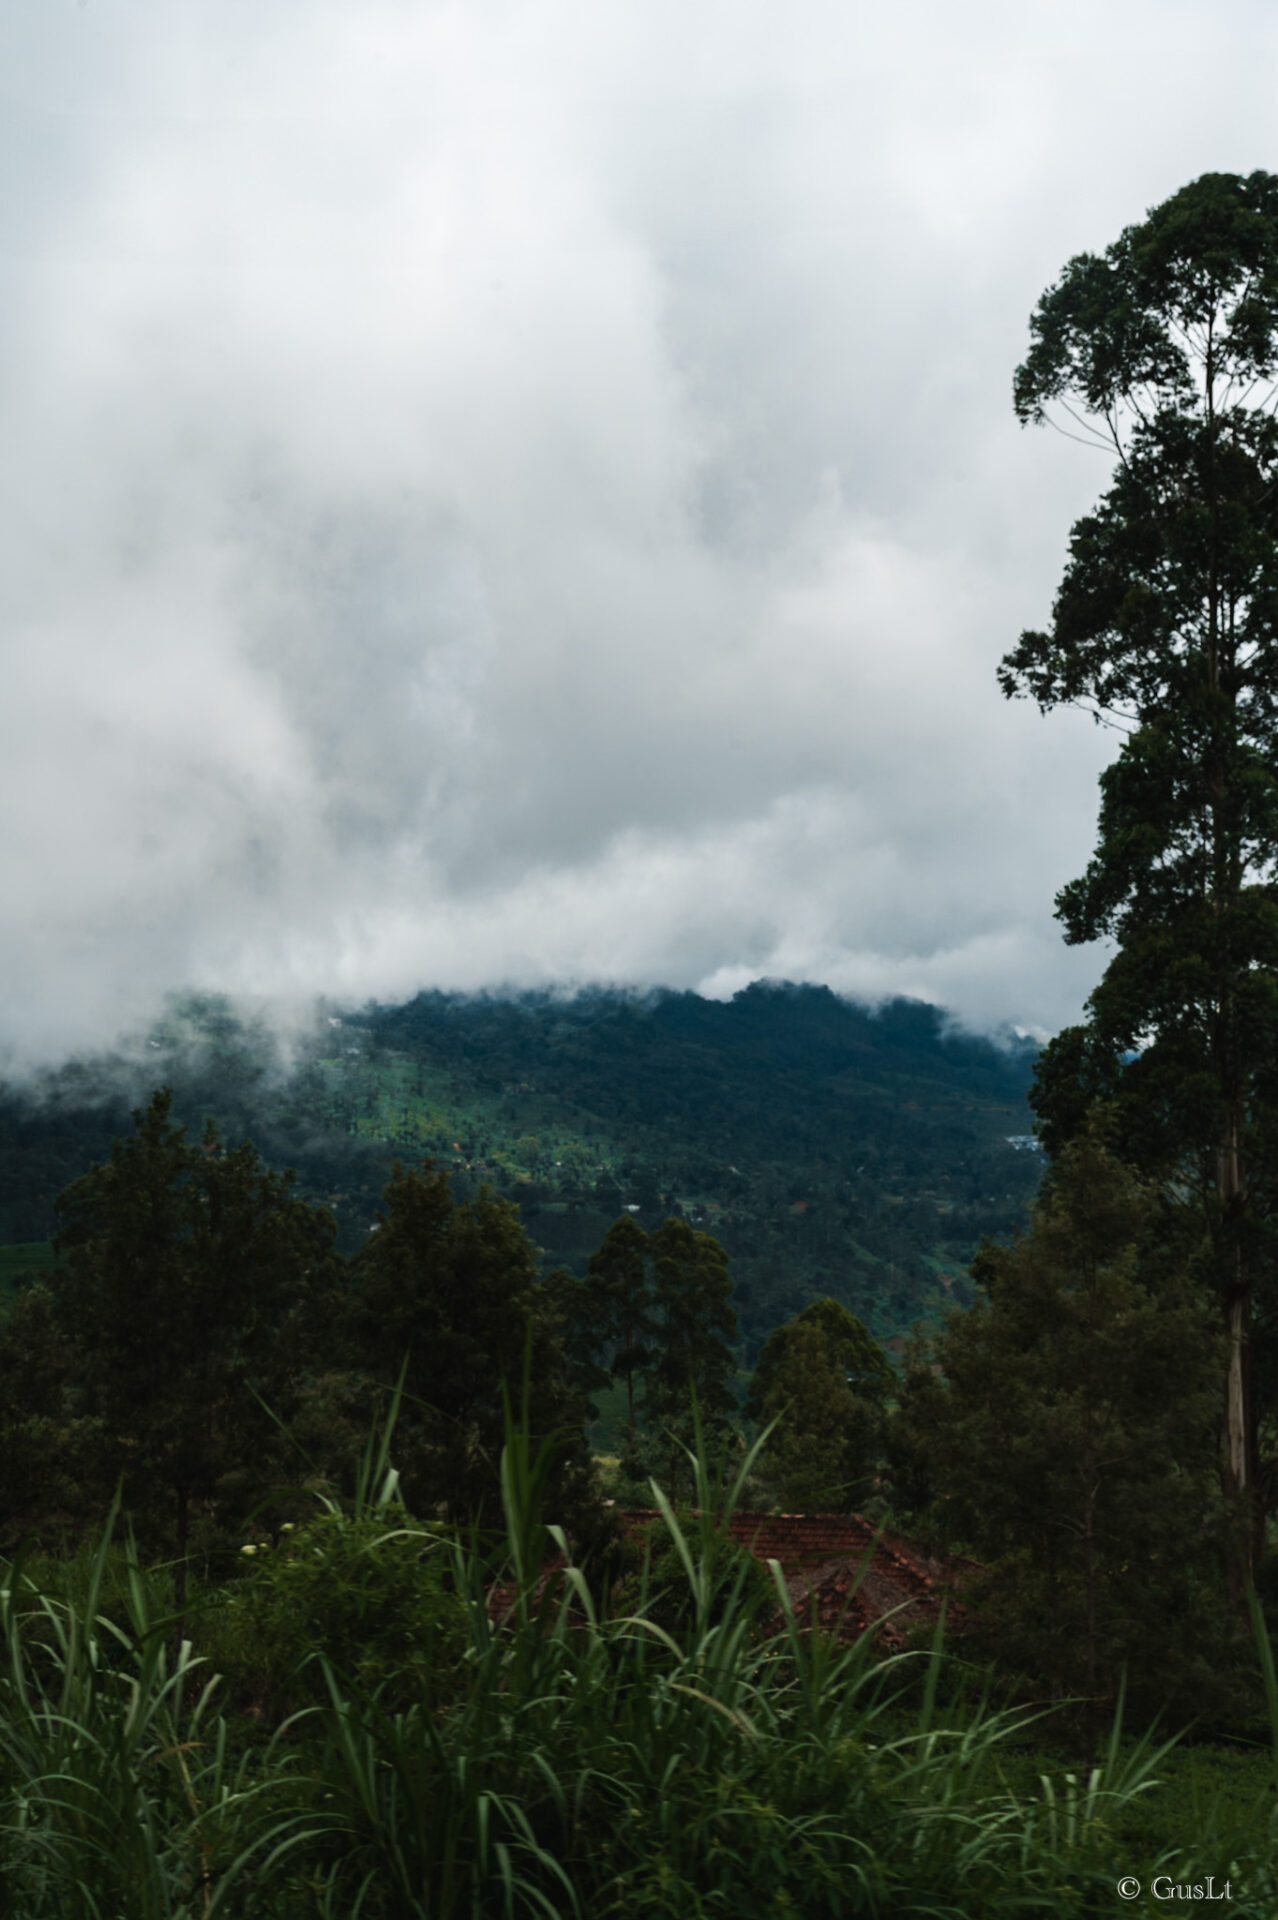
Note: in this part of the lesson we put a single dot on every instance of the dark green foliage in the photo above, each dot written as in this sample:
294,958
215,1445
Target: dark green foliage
588,1765
46,1141
181,1268
52,1476
692,1362
831,1149
858,1356
659,1306
21,1266
822,1453
1073,1445
198,1315
581,1319
1200,272
37,1356
692,1298
453,1291
618,1279
118,1794
915,1443
1166,624
372,1594
824,1381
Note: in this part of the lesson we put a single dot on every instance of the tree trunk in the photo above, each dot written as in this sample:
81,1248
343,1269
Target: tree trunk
1238,1440
1089,1589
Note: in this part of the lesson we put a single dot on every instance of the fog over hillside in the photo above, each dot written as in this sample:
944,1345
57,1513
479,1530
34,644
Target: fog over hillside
831,1149
530,495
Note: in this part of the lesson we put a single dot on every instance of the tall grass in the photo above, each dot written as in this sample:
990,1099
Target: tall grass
590,1764
601,1766
119,1801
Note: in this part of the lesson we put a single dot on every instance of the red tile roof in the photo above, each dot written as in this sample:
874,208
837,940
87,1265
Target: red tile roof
840,1566
856,1575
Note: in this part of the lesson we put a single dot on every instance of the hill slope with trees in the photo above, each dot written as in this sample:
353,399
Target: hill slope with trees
832,1149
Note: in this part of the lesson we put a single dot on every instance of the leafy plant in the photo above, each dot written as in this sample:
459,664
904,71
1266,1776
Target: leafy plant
373,1596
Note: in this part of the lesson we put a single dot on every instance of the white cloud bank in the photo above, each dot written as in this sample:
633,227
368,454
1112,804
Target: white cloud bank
524,493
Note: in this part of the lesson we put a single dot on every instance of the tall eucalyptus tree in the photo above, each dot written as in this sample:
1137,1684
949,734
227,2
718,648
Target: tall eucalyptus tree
1163,351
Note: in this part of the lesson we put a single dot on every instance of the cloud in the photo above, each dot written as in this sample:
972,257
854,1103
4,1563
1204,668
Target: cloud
506,494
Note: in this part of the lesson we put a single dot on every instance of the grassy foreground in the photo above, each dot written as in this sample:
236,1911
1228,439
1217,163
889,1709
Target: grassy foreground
568,1763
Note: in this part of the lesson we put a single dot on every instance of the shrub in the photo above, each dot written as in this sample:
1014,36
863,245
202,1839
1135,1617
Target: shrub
372,1594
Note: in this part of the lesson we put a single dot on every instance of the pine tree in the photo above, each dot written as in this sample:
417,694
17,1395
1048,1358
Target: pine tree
453,1291
181,1266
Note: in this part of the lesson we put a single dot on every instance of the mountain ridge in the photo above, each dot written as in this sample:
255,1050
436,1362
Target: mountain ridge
832,1147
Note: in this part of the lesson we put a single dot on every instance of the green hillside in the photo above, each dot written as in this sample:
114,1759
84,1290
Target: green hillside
832,1149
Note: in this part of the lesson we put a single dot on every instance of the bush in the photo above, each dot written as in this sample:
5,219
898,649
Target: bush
373,1595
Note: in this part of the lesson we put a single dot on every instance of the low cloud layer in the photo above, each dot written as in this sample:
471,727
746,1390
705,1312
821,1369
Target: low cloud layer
529,494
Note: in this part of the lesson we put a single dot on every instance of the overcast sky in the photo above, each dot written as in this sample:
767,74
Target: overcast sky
526,493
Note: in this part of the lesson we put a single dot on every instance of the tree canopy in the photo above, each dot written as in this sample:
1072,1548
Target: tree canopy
619,1279
181,1267
696,1321
1072,1442
1164,351
451,1294
824,1381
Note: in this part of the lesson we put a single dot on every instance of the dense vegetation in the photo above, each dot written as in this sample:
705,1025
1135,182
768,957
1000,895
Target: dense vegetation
200,1342
831,1150
420,1752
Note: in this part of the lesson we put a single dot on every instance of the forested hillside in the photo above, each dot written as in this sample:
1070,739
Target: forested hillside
833,1150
